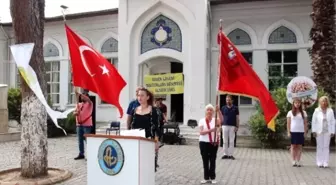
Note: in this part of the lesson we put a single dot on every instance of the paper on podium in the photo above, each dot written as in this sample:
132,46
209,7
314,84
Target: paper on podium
135,132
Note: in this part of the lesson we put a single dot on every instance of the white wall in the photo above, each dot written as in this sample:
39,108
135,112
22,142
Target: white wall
134,15
267,16
94,30
191,16
3,56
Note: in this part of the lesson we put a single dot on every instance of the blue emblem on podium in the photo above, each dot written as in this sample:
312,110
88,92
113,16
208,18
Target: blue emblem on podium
111,157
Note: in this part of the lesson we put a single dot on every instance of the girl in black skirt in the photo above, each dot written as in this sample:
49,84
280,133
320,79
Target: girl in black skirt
296,128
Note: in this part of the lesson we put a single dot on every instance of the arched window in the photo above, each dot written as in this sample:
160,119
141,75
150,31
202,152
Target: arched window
50,50
109,49
161,32
239,37
52,67
282,35
282,64
110,45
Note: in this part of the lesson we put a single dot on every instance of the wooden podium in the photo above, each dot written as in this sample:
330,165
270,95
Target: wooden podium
120,160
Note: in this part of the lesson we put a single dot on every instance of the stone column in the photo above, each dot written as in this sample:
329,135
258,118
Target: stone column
3,109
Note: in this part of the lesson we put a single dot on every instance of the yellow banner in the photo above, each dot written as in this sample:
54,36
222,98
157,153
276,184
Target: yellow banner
165,84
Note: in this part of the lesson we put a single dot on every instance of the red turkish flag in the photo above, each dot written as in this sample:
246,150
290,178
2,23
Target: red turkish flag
93,72
237,77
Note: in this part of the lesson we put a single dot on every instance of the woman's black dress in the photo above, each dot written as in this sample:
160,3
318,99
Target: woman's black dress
150,123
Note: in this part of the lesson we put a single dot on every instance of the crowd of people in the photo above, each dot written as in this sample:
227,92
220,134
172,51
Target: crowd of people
148,114
323,129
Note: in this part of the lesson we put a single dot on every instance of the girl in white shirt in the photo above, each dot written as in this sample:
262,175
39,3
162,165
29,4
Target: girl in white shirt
296,127
323,128
207,143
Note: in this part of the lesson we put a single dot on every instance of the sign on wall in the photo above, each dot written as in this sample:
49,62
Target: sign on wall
165,83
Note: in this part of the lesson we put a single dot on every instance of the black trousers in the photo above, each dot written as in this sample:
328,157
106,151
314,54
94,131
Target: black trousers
209,155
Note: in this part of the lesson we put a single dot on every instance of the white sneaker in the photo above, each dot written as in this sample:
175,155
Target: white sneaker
294,164
325,165
204,181
298,164
213,182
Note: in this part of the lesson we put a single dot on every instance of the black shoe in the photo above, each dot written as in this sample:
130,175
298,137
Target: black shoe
225,157
79,157
231,157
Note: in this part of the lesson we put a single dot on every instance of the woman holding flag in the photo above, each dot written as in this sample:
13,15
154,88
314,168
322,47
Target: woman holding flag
208,144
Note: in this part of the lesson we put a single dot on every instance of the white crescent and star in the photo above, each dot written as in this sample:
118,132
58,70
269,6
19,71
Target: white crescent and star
83,48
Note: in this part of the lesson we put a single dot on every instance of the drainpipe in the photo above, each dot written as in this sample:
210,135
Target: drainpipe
8,54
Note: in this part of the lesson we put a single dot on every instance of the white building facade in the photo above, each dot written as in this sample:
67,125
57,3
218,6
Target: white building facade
168,36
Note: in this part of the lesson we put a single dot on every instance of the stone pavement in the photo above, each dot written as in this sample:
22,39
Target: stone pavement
181,165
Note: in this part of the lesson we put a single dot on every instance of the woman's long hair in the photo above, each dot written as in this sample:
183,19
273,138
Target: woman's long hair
148,93
296,110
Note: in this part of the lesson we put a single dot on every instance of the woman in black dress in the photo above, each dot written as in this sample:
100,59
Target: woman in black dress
145,117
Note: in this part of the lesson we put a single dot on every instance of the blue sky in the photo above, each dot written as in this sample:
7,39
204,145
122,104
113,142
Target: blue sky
53,7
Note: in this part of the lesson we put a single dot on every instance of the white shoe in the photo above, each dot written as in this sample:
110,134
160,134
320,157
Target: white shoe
204,181
213,182
325,165
298,164
294,164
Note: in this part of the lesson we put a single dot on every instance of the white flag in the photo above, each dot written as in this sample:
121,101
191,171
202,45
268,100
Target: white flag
22,55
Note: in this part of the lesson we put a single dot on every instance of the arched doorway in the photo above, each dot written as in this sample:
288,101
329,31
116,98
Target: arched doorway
177,99
160,66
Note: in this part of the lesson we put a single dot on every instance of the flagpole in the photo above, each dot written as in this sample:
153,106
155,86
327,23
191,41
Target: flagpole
64,8
217,92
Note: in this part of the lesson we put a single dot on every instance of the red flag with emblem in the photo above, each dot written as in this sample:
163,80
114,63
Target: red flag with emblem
93,72
237,77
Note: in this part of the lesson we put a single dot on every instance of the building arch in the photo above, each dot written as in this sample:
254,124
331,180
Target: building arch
109,46
156,10
53,44
295,29
239,37
105,38
244,27
161,32
184,11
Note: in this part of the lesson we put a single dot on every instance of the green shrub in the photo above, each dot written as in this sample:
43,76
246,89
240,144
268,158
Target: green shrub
14,104
258,127
268,138
70,125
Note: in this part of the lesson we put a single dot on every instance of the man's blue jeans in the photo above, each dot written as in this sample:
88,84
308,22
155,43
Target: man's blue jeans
81,130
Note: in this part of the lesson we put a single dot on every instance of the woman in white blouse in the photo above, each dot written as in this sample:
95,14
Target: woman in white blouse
207,143
296,128
323,128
